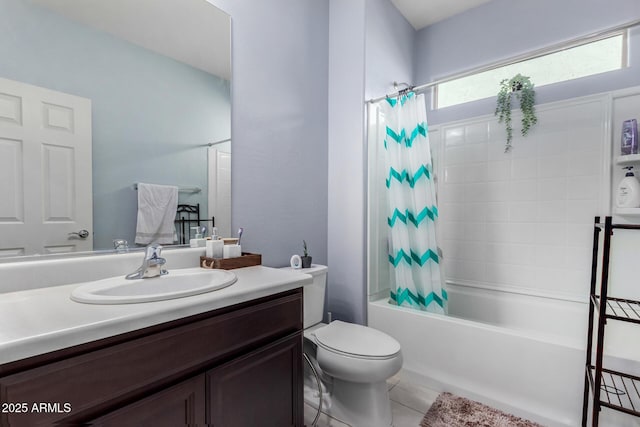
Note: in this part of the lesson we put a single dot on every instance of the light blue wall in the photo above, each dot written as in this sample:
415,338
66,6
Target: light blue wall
502,29
346,282
149,112
279,126
390,43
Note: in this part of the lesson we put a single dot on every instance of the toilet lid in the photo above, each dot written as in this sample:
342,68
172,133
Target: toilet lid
356,340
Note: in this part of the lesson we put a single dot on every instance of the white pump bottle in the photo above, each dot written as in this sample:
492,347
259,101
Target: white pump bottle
628,194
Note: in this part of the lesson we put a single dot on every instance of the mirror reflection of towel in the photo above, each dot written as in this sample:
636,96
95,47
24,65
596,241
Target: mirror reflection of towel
157,206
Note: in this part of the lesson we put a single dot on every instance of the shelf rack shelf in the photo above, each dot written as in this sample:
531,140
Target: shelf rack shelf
619,391
624,310
607,388
628,159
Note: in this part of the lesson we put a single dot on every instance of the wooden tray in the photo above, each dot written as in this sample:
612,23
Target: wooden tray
246,260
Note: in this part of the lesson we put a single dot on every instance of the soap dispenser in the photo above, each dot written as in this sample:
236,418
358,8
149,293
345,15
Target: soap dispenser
628,194
198,241
214,246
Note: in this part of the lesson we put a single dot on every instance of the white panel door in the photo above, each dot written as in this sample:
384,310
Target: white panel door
220,190
45,171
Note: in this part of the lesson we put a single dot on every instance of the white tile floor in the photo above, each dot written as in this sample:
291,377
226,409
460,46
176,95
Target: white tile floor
409,403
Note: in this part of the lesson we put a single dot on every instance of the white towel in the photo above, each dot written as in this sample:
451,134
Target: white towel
157,206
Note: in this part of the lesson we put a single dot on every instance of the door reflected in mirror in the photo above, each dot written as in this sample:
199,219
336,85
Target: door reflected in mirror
97,96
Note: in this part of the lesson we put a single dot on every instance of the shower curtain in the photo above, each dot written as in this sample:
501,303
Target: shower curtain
414,257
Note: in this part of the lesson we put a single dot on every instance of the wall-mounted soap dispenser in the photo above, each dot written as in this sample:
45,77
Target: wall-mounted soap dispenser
628,193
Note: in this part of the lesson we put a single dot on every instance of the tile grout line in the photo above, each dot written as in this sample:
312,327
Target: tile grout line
328,416
413,409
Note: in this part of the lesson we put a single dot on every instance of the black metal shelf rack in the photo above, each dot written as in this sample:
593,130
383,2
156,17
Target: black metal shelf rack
612,389
188,216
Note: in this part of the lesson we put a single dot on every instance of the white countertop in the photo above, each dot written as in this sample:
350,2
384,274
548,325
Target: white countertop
38,321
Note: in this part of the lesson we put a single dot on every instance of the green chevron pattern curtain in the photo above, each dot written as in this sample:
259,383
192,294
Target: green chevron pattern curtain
416,265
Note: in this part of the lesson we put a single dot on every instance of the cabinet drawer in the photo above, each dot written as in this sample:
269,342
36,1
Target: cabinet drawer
94,382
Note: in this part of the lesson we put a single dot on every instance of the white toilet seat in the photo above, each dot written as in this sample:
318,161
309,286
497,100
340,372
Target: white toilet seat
357,353
358,341
355,356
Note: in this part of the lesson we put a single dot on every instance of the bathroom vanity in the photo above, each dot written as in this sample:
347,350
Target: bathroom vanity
237,363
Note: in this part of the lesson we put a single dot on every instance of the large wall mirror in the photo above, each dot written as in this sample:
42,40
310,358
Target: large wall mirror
97,96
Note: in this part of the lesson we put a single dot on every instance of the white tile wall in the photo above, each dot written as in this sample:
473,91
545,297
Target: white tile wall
524,218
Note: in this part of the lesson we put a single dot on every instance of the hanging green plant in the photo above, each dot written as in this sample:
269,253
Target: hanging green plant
521,87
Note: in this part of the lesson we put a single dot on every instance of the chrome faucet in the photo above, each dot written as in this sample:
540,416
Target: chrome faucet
152,265
121,245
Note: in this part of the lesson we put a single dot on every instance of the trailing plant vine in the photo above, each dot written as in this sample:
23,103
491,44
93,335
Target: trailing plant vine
522,88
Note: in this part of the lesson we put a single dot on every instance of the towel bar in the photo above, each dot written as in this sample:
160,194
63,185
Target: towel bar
180,189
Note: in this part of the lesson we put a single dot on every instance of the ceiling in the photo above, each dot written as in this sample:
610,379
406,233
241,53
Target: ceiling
422,13
191,31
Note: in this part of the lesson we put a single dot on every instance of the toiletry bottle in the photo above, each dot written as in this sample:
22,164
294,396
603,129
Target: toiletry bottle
214,246
628,194
198,241
629,143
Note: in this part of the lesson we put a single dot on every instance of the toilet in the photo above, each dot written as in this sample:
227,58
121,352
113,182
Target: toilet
354,361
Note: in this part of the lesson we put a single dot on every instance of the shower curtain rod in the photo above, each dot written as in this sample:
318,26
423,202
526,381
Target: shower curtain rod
519,58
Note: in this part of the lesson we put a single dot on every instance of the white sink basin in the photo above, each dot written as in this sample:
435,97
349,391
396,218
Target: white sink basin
177,284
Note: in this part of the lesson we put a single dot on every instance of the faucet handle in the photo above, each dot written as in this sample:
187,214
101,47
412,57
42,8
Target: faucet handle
153,251
121,245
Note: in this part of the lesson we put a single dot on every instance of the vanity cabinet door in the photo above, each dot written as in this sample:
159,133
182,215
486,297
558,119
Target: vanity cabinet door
180,405
261,389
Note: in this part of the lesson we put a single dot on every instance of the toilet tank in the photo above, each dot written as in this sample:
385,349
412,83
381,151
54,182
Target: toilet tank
313,294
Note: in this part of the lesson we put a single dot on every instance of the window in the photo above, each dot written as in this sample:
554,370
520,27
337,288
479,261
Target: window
593,57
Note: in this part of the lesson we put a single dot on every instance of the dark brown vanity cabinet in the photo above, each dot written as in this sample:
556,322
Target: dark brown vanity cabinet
238,366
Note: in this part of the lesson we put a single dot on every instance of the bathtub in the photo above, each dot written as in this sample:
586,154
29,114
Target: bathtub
523,354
